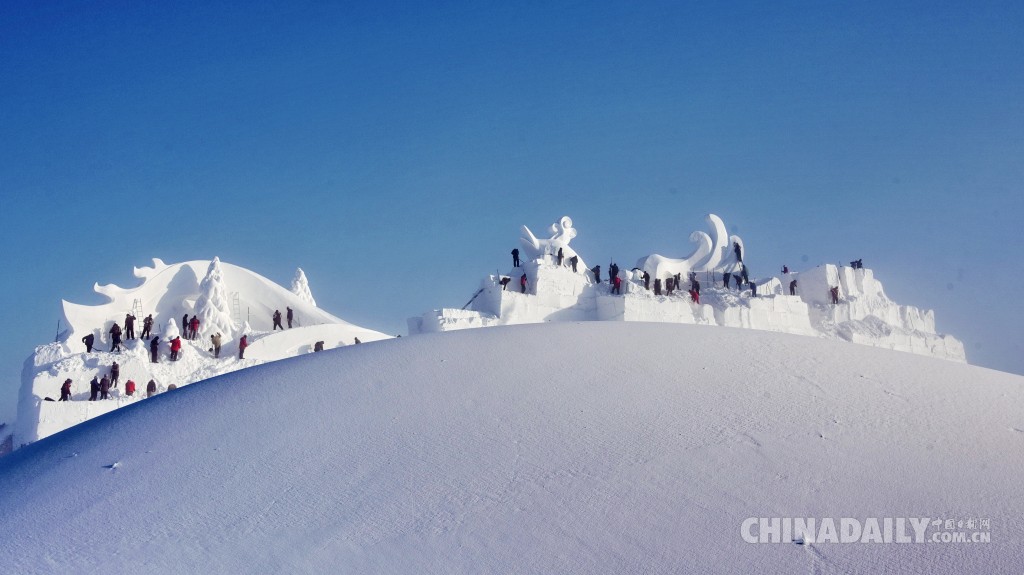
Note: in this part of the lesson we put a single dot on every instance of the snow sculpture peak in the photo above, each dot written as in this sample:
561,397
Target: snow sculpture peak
213,307
562,233
300,287
716,252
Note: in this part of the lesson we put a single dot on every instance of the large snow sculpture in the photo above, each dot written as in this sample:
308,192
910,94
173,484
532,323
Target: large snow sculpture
300,287
212,307
562,233
714,253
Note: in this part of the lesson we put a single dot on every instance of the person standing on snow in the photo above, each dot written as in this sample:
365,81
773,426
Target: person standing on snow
147,325
154,349
215,339
657,286
104,388
597,273
792,287
115,373
88,341
522,283
574,260
242,344
290,315
277,320
129,388
65,391
115,337
150,388
515,257
560,256
175,348
94,388
618,285
834,292
184,325
129,326
193,328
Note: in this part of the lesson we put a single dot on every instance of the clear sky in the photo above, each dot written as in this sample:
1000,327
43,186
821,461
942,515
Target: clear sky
392,150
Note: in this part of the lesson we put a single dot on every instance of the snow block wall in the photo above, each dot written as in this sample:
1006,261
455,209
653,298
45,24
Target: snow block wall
228,296
864,314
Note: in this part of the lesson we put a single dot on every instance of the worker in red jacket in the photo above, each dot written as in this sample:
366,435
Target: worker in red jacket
175,348
129,388
242,344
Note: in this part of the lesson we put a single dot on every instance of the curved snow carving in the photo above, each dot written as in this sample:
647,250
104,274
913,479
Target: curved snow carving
562,233
720,245
661,267
714,252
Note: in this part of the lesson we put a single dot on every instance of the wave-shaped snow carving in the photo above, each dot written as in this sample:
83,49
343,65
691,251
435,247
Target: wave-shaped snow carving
715,252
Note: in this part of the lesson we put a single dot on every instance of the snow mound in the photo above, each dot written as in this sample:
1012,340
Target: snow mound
596,447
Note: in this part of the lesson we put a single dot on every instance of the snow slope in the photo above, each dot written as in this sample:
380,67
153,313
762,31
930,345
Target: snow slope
605,447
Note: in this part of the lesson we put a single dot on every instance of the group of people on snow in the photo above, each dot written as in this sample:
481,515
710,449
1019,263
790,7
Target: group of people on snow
99,388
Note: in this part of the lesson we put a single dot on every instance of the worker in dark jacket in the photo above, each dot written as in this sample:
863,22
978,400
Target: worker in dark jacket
150,388
88,341
147,325
115,337
115,373
65,391
129,326
104,388
290,315
154,349
277,320
94,388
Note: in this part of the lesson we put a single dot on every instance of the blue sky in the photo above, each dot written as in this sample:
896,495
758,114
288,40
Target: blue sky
392,150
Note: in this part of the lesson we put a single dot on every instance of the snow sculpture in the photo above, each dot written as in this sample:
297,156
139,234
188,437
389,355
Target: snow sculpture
562,233
714,252
212,307
171,331
300,287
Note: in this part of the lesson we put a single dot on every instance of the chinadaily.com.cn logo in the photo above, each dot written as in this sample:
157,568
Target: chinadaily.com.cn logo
864,530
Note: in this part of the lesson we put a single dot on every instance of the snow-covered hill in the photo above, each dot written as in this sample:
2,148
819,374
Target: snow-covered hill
604,447
227,299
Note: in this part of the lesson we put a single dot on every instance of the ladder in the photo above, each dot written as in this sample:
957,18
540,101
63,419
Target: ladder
236,307
137,308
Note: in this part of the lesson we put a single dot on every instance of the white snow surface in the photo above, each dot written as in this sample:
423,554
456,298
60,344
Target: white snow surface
596,447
